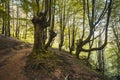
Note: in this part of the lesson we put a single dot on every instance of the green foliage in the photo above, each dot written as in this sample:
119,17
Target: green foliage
2,10
73,8
29,6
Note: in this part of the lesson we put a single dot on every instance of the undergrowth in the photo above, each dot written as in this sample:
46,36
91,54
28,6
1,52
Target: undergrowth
42,61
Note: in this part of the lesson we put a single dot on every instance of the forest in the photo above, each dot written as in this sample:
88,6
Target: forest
60,39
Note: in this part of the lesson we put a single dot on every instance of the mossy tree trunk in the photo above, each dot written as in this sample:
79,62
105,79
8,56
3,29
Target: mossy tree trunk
40,23
38,39
39,27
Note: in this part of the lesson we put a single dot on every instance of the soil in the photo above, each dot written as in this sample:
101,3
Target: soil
13,65
13,59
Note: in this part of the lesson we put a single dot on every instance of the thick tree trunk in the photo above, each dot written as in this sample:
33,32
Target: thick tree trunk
40,25
38,39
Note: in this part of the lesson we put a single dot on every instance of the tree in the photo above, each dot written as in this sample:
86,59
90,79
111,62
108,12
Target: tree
94,21
72,41
52,34
62,23
40,24
5,11
17,31
115,37
100,57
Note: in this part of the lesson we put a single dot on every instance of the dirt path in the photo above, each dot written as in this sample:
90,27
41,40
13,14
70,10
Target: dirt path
14,66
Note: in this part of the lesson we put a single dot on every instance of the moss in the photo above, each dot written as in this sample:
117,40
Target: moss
43,63
40,61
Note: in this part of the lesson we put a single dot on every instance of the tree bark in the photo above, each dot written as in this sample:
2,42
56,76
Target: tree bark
38,46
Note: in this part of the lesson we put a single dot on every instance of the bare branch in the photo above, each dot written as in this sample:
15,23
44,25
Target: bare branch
102,13
98,35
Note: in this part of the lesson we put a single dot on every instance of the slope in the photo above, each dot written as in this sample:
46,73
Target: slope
56,65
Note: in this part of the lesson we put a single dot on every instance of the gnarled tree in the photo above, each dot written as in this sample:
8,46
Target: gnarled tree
40,23
95,20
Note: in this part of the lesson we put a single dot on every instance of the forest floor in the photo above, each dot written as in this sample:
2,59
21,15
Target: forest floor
13,57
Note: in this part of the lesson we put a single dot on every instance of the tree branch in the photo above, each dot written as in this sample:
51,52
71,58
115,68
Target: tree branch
83,19
38,6
102,14
106,31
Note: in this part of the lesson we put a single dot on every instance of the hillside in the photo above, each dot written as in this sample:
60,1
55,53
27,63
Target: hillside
58,65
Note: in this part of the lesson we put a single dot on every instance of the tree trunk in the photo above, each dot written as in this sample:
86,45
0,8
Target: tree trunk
52,34
79,47
118,62
7,19
8,22
25,32
100,57
73,36
17,24
38,39
3,26
62,26
61,32
13,21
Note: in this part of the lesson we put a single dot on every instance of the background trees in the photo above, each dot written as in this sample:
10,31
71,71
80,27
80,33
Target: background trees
114,39
5,10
